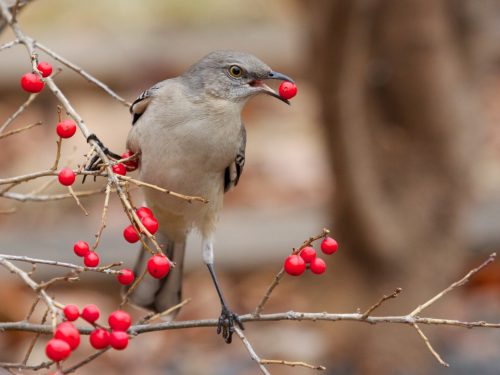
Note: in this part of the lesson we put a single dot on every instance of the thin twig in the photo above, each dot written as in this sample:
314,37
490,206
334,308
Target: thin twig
132,287
58,155
35,338
83,73
9,44
90,358
380,302
32,309
20,366
168,311
20,110
33,285
291,364
456,284
103,217
429,346
251,351
49,197
15,131
79,204
187,198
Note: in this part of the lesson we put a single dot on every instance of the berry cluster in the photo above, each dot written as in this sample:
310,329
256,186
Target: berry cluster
147,219
31,82
129,165
67,338
158,265
296,264
91,259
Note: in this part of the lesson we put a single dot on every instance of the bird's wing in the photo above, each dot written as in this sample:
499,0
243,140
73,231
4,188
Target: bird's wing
140,104
235,169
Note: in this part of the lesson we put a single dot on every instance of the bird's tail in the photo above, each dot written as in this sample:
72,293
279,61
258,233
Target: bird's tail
159,295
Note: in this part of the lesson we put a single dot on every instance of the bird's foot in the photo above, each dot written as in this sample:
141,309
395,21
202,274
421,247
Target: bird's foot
95,163
226,324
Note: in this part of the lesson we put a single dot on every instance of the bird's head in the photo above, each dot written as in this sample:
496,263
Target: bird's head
234,76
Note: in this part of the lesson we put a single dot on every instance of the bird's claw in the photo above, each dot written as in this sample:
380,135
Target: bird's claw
226,323
94,163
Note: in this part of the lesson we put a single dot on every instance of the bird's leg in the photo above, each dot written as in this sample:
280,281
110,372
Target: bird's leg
227,318
93,164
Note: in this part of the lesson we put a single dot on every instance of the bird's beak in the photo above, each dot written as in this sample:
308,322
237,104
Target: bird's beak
268,90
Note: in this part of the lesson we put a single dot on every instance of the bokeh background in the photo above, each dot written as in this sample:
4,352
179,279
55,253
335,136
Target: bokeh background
392,143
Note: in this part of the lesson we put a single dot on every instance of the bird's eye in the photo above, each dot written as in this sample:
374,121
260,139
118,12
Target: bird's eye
235,71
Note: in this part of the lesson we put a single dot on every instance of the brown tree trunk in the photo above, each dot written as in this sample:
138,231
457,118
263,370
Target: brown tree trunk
400,121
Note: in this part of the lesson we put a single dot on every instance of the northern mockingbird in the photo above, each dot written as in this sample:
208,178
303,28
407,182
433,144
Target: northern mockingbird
191,139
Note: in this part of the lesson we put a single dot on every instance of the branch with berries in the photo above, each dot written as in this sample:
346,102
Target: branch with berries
115,335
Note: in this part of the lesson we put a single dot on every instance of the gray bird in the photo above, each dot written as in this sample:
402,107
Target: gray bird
191,140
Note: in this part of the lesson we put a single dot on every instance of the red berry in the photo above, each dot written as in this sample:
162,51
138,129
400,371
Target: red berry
158,266
57,350
66,177
119,169
31,82
99,338
318,266
130,164
90,313
66,128
91,259
118,340
130,234
81,248
143,212
125,277
45,68
71,312
294,265
150,223
287,90
308,254
119,320
66,331
329,245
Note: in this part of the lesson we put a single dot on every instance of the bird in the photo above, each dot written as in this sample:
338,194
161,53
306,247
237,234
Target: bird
190,138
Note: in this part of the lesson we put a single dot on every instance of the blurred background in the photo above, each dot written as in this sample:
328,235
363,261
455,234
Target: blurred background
392,142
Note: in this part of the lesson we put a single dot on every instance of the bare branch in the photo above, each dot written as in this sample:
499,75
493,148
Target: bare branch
9,44
83,73
18,112
380,302
170,310
103,217
291,364
90,358
15,131
188,198
456,284
429,346
78,203
251,351
49,197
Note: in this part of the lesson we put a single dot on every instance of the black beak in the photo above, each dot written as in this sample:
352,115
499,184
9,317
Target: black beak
281,76
268,90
